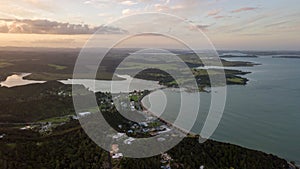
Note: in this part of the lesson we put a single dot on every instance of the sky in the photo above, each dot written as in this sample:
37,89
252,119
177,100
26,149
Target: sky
228,24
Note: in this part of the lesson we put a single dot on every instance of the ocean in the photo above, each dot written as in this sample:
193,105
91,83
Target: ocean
262,115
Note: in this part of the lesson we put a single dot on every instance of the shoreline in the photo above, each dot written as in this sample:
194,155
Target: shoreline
169,124
186,133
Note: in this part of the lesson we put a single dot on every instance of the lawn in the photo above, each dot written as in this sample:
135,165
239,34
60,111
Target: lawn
57,67
5,64
57,119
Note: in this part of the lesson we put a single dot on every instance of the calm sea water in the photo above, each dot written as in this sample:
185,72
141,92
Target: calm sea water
128,85
263,115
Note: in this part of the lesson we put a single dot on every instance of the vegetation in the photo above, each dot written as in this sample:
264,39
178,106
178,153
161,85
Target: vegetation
56,119
57,67
4,64
69,147
35,102
47,64
233,77
134,98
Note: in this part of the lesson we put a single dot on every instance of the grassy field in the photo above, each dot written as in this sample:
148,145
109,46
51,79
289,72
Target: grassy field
48,76
134,98
235,80
5,64
57,67
57,119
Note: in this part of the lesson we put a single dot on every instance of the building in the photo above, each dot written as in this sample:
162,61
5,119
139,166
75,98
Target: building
25,128
2,136
82,114
165,160
117,155
115,152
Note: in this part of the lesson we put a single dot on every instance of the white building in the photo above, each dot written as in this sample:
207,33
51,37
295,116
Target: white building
82,114
2,135
25,128
117,155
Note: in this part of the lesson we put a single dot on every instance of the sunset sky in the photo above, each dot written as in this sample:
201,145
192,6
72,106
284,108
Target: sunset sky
229,24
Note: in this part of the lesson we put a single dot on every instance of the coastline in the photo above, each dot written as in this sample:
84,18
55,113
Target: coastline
187,133
169,124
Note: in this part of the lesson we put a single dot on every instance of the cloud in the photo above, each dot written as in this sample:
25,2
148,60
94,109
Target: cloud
244,9
161,7
254,34
277,24
42,5
203,27
244,25
221,16
16,11
129,3
127,12
166,6
213,12
105,15
53,27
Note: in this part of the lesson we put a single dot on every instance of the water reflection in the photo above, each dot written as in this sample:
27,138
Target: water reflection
18,80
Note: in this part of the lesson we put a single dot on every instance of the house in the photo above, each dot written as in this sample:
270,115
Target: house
114,148
166,157
46,128
25,128
75,117
114,151
149,118
145,130
118,135
134,126
2,136
166,167
143,124
129,140
83,114
124,105
117,155
165,160
132,108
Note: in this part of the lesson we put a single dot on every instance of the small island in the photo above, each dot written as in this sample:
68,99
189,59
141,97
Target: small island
237,56
288,57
